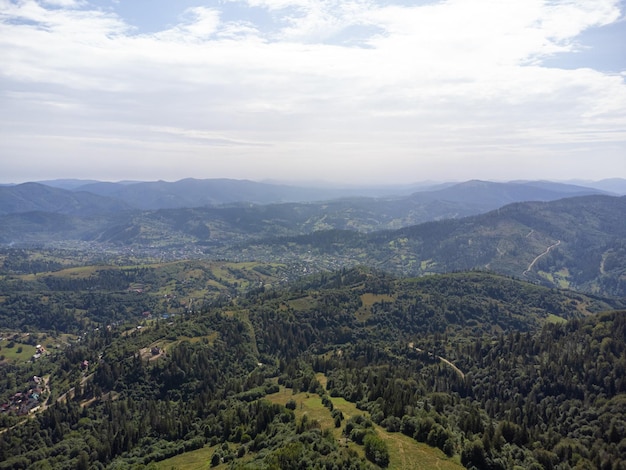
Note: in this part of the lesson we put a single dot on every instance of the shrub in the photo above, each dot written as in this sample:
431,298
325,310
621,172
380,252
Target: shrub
376,450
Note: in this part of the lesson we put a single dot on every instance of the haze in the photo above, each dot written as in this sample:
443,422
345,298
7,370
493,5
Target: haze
354,92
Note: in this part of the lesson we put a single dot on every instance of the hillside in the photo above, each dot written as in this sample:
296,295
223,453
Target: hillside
338,369
576,243
471,197
34,197
363,209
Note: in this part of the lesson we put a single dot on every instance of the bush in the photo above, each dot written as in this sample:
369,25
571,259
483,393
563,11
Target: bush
376,450
327,403
474,454
392,424
358,435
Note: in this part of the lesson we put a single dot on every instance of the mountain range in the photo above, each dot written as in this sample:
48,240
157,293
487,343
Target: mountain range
462,370
576,243
78,197
560,235
476,324
36,213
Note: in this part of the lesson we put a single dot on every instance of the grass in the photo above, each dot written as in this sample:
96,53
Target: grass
166,345
552,318
25,353
563,278
367,302
81,272
405,453
197,459
302,303
306,403
427,264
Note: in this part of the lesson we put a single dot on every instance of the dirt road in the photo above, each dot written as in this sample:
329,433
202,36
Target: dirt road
530,266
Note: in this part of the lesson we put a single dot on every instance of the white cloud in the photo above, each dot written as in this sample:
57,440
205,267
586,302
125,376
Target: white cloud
441,82
199,24
64,3
213,138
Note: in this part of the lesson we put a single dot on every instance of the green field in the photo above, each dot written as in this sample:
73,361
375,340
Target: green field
19,352
405,453
198,459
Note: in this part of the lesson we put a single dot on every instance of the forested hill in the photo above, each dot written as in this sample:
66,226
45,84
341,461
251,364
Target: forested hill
351,369
29,197
205,210
469,197
577,243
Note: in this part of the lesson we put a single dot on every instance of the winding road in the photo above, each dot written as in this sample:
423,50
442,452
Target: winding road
530,266
442,359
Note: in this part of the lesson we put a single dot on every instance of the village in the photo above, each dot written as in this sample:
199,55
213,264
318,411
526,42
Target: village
22,403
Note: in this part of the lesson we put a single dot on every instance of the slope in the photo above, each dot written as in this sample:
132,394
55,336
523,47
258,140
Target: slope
573,242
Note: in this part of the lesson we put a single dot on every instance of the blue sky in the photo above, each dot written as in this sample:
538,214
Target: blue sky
358,91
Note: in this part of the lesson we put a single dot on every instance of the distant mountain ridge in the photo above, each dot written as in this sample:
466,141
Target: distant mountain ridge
577,243
29,197
444,201
192,192
483,196
108,219
198,193
612,185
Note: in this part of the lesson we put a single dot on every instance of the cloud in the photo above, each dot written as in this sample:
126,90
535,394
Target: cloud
203,136
199,24
63,3
378,88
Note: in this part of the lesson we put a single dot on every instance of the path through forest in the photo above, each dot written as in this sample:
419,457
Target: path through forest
530,266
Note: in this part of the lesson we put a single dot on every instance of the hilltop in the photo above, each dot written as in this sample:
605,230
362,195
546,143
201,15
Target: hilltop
352,368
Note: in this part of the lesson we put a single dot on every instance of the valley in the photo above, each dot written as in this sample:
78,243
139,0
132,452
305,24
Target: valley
281,336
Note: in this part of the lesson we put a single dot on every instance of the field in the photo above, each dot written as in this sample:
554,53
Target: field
198,459
367,302
405,452
17,352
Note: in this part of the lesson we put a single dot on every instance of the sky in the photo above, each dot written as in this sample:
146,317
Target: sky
351,92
